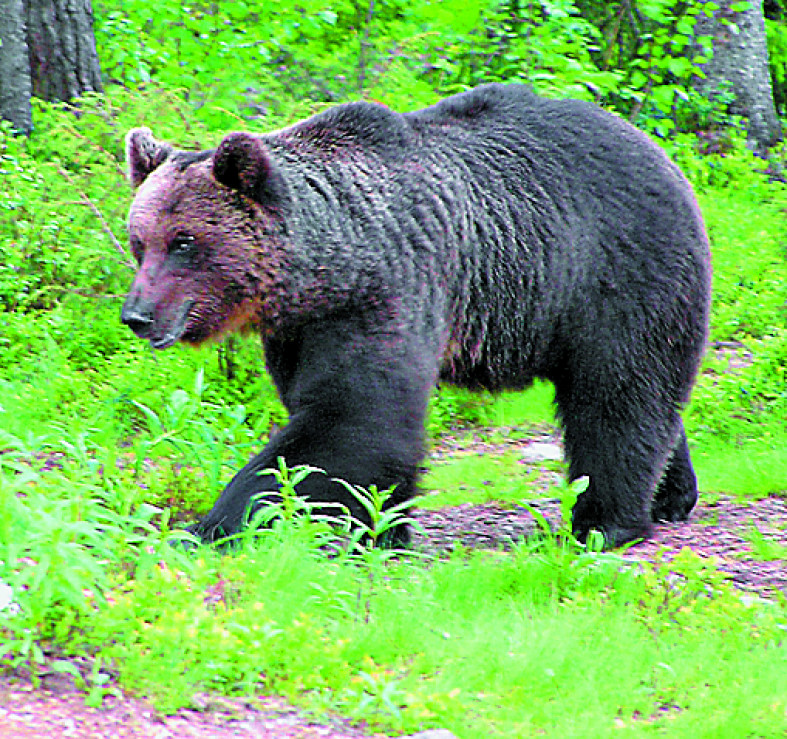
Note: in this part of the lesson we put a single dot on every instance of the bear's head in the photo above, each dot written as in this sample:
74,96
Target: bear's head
207,230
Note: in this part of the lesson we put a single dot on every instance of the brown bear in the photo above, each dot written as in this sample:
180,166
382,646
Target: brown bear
487,240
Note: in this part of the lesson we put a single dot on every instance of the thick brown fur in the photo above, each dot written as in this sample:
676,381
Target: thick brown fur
490,239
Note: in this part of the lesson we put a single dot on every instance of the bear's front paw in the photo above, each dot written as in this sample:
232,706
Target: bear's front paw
588,516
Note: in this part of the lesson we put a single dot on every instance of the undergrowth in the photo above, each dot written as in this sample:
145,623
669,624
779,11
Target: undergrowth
476,642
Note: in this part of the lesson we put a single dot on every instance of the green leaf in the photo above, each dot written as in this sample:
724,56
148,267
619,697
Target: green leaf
656,10
62,666
236,10
685,25
680,67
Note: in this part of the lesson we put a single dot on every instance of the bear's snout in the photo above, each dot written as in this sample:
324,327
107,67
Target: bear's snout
137,314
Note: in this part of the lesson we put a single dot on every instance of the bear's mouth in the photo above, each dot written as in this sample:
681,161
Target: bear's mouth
176,329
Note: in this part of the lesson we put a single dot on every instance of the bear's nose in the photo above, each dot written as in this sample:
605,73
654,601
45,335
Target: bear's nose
137,314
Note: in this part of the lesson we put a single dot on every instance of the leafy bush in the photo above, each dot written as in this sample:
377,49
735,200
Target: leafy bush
255,57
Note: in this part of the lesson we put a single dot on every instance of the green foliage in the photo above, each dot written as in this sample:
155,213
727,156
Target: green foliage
741,392
452,406
235,60
63,534
658,54
48,246
465,643
256,55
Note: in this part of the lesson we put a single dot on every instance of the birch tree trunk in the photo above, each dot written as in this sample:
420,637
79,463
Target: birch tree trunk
740,57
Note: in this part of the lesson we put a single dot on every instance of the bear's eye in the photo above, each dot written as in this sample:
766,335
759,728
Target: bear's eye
137,249
182,245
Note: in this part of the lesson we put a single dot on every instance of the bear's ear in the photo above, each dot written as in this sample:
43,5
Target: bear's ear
144,154
243,163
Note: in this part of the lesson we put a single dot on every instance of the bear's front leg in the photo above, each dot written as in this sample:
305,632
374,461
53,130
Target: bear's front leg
357,407
347,452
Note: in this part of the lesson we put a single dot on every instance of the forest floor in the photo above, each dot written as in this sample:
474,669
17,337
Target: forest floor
721,528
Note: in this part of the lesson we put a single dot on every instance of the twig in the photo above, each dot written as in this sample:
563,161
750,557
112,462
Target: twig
128,261
614,35
364,47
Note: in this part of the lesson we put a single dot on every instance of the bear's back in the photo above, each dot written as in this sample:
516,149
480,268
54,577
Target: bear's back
496,127
480,115
575,138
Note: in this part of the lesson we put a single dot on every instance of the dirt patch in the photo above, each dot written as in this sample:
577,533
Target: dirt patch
723,529
57,709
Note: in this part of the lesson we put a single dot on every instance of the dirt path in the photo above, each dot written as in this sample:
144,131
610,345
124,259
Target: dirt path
720,527
57,709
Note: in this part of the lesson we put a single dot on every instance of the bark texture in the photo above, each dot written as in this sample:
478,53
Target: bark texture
740,57
14,67
62,49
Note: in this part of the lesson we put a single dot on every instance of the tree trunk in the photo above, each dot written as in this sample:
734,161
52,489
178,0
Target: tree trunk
14,67
63,58
740,57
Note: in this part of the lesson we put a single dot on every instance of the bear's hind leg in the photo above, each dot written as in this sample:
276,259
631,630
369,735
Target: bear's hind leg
676,494
623,451
616,499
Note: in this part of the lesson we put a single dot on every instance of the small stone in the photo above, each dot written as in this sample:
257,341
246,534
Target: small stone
541,451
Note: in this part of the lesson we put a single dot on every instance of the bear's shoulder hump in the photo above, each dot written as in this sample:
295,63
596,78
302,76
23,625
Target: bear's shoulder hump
479,103
352,124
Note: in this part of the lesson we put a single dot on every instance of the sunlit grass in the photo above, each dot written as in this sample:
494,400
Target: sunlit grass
477,478
534,405
751,469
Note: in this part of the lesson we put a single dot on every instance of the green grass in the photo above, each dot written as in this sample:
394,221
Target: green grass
477,478
531,406
748,234
764,548
751,469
